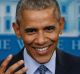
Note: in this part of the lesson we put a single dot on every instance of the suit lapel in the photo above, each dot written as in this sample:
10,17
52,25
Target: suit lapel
64,63
20,57
17,58
61,68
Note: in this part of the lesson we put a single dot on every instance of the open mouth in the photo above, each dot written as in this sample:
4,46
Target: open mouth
42,50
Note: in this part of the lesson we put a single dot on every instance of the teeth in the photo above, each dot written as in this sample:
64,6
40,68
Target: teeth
42,49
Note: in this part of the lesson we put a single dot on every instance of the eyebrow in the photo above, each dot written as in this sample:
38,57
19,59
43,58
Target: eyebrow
30,29
50,27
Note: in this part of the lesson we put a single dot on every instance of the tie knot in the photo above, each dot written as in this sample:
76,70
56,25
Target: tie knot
42,69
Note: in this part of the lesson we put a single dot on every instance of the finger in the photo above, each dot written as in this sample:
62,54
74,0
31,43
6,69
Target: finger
14,67
21,71
5,63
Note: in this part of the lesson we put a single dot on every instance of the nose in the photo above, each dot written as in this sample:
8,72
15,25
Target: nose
41,39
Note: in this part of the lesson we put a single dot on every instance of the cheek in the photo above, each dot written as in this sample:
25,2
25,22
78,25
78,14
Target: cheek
54,36
28,39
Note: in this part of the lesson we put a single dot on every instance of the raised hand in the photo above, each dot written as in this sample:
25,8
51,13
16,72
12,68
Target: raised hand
11,69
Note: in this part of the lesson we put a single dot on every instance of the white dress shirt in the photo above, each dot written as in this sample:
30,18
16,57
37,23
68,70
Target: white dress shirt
32,65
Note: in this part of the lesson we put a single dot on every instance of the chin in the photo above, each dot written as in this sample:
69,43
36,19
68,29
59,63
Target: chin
43,60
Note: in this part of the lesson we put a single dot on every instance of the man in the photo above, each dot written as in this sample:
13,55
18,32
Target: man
39,23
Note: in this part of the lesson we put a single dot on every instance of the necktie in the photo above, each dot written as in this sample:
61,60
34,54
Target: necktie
42,69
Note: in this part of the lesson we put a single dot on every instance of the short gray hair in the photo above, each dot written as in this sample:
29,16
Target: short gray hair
35,5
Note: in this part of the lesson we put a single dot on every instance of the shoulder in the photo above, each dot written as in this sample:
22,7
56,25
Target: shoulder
68,58
67,55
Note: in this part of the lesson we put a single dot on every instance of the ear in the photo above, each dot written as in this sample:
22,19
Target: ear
16,28
62,21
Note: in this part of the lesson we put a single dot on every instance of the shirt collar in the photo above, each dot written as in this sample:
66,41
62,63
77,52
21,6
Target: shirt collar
52,63
32,65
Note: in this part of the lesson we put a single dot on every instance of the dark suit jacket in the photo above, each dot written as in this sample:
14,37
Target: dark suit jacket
65,63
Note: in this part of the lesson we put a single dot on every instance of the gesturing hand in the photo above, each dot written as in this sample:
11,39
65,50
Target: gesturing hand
11,69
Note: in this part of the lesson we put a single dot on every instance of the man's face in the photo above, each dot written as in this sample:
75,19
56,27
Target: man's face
39,30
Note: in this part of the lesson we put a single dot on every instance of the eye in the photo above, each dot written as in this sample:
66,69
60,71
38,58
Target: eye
30,31
49,28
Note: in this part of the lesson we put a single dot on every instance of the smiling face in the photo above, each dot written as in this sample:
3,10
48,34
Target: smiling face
39,30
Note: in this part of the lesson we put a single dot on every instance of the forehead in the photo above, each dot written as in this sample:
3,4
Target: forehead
38,18
38,14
